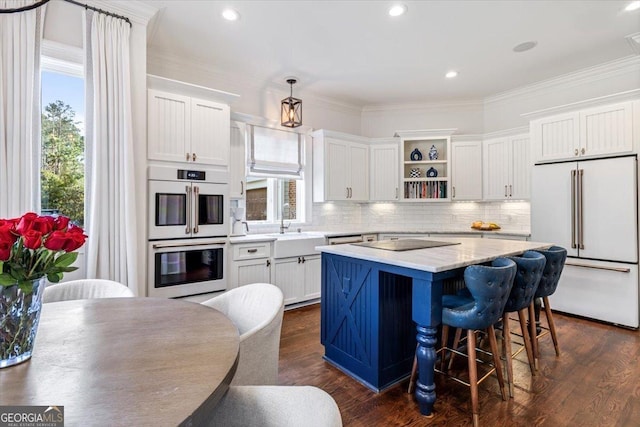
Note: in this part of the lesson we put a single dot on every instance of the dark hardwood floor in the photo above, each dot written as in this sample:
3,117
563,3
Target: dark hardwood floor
594,382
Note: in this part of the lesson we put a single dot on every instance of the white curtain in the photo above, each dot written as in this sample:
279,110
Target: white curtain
111,246
20,36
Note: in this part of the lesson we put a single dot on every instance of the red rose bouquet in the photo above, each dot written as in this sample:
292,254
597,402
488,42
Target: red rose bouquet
35,246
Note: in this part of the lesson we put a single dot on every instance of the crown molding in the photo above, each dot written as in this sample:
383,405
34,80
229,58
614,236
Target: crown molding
628,95
585,76
467,138
634,42
506,132
188,89
424,133
326,133
137,12
249,119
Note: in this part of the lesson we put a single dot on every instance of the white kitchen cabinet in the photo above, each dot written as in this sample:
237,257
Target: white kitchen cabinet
466,165
237,162
298,278
384,172
594,132
251,263
186,129
340,167
425,164
507,168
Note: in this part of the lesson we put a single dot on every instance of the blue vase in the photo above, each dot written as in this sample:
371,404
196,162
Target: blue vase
416,155
432,173
433,153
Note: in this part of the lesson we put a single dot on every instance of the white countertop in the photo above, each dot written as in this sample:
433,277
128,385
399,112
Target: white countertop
469,251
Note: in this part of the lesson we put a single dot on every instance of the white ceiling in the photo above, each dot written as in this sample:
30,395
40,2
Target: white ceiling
353,51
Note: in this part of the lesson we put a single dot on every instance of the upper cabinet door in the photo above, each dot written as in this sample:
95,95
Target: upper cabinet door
384,172
358,172
606,130
520,173
237,163
466,162
496,169
169,132
336,170
556,137
209,132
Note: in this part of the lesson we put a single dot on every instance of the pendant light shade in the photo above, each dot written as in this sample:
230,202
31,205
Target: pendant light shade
291,109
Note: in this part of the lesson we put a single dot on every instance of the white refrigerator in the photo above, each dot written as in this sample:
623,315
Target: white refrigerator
590,208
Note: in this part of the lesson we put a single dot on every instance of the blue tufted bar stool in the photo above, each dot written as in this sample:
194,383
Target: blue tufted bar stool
555,256
529,271
489,287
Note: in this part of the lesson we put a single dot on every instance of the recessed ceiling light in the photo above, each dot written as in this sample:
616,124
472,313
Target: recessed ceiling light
230,15
523,47
397,10
634,5
451,74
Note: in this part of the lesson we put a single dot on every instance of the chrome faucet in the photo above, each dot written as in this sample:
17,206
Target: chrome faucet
282,226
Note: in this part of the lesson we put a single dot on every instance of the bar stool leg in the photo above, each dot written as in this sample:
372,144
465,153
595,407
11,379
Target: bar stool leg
496,360
507,351
534,336
552,326
414,374
456,343
445,341
526,337
473,374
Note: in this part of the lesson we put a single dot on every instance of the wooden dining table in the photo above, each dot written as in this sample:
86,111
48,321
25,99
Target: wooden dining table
126,362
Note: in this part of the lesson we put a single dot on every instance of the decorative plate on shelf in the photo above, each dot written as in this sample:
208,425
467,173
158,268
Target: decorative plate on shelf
416,155
432,173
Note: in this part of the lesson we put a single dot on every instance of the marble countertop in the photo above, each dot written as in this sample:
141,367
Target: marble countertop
251,238
469,251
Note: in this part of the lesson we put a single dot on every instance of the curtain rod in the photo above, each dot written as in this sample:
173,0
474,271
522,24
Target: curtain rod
86,6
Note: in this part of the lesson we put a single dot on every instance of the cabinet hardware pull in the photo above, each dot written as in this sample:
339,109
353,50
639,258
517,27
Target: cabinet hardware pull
580,222
188,157
583,150
575,152
347,188
193,156
185,245
573,209
196,198
505,191
241,188
453,192
303,260
299,260
268,263
187,189
510,190
252,251
396,192
597,267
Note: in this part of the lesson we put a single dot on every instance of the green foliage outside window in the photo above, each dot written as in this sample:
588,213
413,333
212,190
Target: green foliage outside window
62,171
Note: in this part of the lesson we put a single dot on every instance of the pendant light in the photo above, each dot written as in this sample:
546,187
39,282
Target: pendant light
291,108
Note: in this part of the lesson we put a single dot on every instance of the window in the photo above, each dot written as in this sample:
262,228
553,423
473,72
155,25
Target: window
62,150
275,182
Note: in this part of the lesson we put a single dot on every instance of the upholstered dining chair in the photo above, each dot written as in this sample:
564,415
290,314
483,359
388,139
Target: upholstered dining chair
276,406
530,266
556,257
256,310
85,289
489,287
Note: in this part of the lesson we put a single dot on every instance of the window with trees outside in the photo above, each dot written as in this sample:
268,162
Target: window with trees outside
63,146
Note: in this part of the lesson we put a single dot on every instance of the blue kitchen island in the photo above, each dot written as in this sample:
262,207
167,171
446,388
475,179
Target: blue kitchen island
374,300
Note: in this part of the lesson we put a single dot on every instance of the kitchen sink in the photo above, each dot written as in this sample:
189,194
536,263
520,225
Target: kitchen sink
296,244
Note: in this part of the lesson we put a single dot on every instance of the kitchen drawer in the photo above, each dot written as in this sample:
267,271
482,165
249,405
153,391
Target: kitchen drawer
251,251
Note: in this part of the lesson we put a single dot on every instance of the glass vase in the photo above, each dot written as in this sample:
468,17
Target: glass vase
19,317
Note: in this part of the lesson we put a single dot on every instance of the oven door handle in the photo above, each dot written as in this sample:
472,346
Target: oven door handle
187,188
187,245
196,200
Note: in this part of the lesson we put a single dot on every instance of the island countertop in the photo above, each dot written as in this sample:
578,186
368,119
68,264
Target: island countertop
469,251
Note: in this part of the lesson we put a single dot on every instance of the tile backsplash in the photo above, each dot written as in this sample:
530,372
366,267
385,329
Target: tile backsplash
511,216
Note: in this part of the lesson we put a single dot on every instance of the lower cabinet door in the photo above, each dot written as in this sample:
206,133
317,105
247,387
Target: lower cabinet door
252,271
288,275
312,276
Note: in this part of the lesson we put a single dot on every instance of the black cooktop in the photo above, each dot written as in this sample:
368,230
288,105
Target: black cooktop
405,244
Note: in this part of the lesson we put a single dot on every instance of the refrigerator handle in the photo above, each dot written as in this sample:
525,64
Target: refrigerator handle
573,209
580,213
